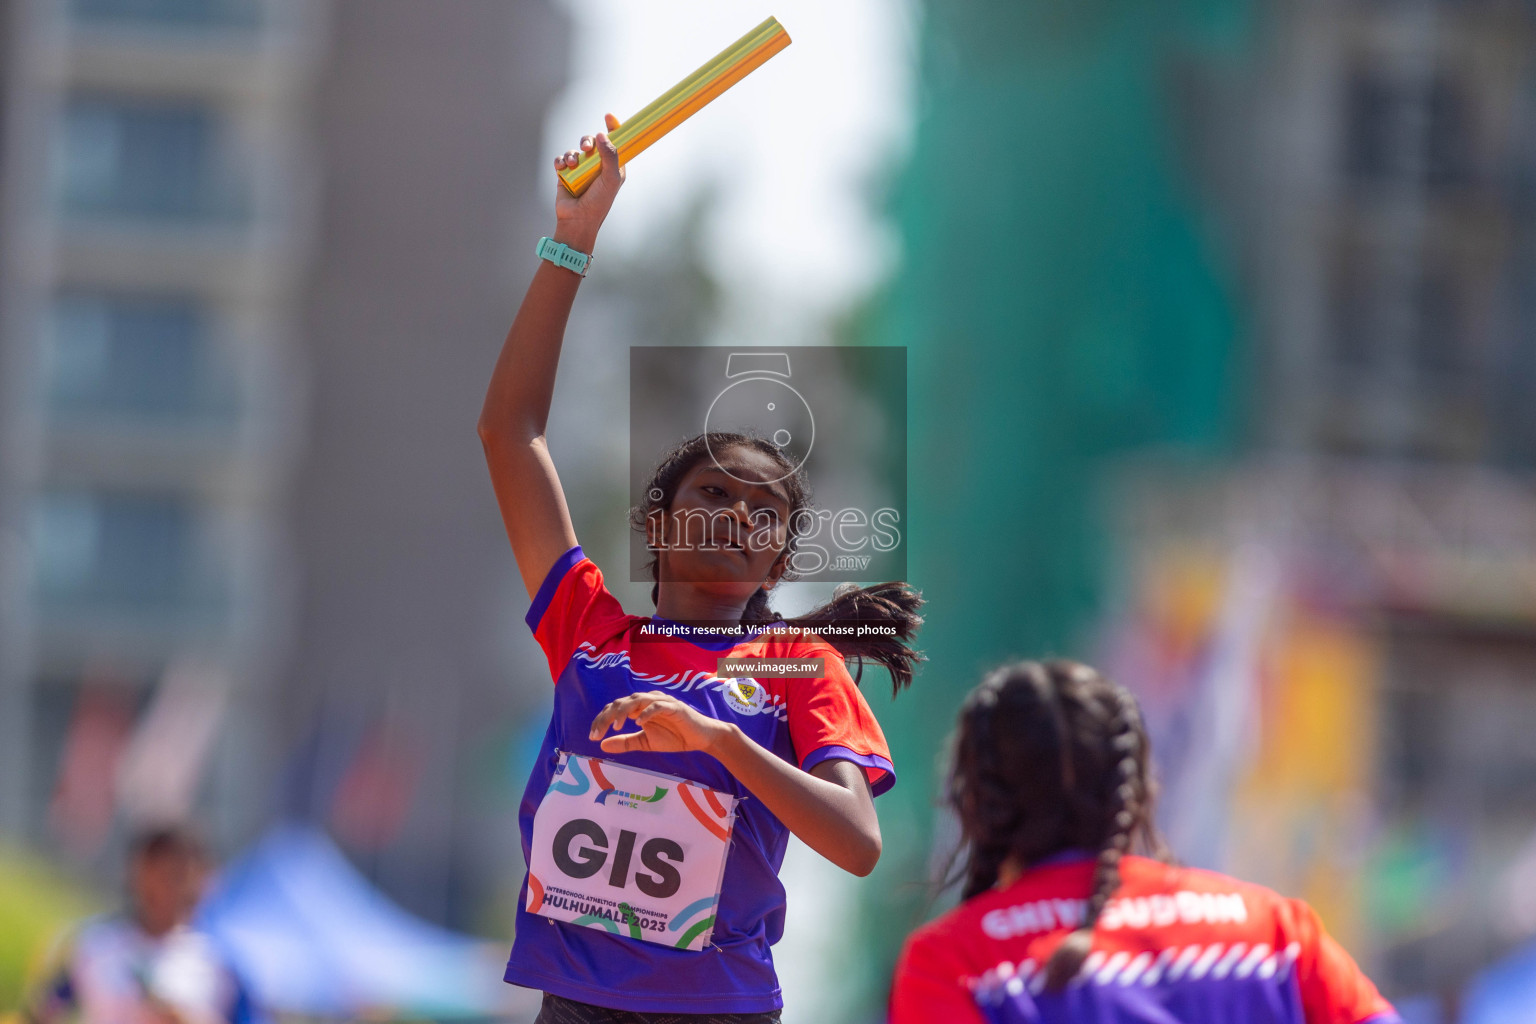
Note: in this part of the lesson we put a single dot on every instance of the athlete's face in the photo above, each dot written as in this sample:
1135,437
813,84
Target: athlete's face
166,889
727,525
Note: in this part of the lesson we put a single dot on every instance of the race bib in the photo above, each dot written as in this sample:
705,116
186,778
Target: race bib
635,853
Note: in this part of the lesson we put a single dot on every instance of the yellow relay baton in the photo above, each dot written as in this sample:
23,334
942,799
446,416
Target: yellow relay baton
682,101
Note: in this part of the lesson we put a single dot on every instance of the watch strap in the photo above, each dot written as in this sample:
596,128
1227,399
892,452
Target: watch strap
562,255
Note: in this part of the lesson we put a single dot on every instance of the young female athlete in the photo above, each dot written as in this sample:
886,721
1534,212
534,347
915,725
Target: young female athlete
803,755
1061,922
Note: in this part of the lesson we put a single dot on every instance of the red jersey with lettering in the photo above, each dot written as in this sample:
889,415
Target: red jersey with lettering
1173,946
597,654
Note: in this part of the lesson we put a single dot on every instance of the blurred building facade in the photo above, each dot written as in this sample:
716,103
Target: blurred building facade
157,186
1395,242
254,264
408,616
1393,271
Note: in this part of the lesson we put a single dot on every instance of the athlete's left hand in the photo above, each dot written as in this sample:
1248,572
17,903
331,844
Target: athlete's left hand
667,725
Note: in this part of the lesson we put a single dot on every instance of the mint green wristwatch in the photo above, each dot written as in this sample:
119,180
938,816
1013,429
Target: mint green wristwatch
562,255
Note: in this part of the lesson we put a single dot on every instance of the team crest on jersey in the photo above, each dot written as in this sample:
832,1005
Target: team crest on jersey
745,696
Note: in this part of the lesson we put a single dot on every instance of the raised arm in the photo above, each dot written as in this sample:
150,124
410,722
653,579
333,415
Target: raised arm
516,410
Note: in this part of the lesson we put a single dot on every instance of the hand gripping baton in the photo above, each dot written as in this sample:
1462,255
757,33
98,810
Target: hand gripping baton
682,101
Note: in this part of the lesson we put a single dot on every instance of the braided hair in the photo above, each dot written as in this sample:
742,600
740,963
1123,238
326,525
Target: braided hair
1052,756
894,604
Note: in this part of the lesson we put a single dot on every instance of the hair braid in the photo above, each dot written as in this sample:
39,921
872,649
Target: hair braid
1124,802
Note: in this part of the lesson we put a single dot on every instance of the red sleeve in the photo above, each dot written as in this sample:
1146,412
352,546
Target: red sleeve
1333,989
930,985
829,719
573,606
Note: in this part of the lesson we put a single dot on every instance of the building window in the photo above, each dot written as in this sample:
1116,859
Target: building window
177,13
1400,131
136,158
1407,320
1442,357
104,548
126,355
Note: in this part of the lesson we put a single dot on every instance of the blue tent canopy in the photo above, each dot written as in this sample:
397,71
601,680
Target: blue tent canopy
1504,993
313,937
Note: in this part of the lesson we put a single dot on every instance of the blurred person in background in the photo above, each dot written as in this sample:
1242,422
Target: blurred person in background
147,964
1060,921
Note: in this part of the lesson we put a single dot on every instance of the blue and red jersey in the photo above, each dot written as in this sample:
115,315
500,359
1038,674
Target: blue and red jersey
597,654
1172,945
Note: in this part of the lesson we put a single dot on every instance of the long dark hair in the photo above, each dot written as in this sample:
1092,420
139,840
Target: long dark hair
893,604
1052,756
